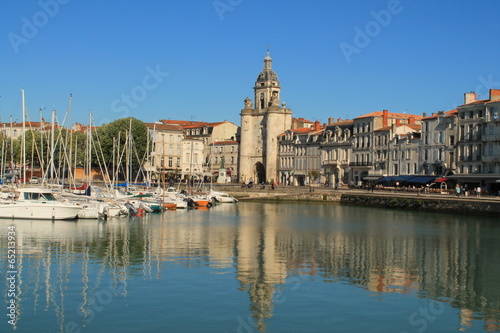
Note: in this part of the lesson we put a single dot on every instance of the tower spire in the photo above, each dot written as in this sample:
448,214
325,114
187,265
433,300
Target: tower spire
267,60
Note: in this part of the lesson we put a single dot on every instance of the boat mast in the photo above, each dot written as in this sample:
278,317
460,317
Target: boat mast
2,166
23,139
129,161
42,151
89,147
67,160
52,146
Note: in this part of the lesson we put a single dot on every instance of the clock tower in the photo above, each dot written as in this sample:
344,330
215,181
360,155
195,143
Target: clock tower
260,126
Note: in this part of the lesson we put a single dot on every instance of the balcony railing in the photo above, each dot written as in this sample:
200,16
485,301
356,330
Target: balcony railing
491,137
360,163
335,162
491,159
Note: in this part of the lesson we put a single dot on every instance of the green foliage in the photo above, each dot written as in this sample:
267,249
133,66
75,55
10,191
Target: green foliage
72,147
314,174
118,130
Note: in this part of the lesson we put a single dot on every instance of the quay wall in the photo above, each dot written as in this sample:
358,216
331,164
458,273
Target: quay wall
391,200
430,204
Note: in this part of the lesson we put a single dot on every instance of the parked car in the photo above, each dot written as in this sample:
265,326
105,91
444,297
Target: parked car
34,180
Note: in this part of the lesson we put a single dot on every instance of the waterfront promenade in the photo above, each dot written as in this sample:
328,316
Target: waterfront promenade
316,191
383,198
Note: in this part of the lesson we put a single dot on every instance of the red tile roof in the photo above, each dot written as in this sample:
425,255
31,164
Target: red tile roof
303,120
391,115
163,126
448,114
303,130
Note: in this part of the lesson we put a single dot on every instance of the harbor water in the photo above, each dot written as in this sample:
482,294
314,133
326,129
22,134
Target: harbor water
253,267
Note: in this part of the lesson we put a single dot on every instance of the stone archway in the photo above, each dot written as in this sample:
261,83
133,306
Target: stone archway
260,172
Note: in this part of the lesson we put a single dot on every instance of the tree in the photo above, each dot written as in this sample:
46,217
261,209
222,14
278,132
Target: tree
115,135
313,175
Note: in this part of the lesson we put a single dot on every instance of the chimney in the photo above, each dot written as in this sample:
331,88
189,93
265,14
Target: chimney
469,97
330,121
398,122
424,115
339,120
411,120
494,94
317,125
385,118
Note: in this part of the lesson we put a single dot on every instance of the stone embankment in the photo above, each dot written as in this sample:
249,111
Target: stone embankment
432,202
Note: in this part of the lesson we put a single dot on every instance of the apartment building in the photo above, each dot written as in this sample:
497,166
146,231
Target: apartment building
299,156
373,139
439,139
336,147
478,142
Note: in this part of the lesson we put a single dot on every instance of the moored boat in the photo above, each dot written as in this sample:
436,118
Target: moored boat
170,205
39,204
223,197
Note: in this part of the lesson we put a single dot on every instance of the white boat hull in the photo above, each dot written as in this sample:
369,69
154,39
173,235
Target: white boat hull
224,199
46,211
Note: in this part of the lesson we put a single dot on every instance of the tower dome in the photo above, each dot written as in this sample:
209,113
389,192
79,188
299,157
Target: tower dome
267,74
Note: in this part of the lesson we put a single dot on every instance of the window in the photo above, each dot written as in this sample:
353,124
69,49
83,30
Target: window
170,162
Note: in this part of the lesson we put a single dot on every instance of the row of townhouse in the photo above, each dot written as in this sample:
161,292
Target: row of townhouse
194,149
462,144
179,148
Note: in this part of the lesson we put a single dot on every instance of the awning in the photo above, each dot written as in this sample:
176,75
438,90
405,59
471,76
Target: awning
441,180
420,180
477,176
394,179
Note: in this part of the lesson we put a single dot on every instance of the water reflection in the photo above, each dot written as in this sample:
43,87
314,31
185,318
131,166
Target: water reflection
87,263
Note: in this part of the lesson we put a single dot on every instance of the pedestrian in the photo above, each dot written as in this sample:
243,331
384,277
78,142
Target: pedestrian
478,191
457,190
337,187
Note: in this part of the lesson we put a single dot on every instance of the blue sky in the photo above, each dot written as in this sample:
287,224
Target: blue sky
198,60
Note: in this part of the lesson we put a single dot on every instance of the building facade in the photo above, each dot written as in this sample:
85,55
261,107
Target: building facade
262,121
300,156
336,147
478,142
